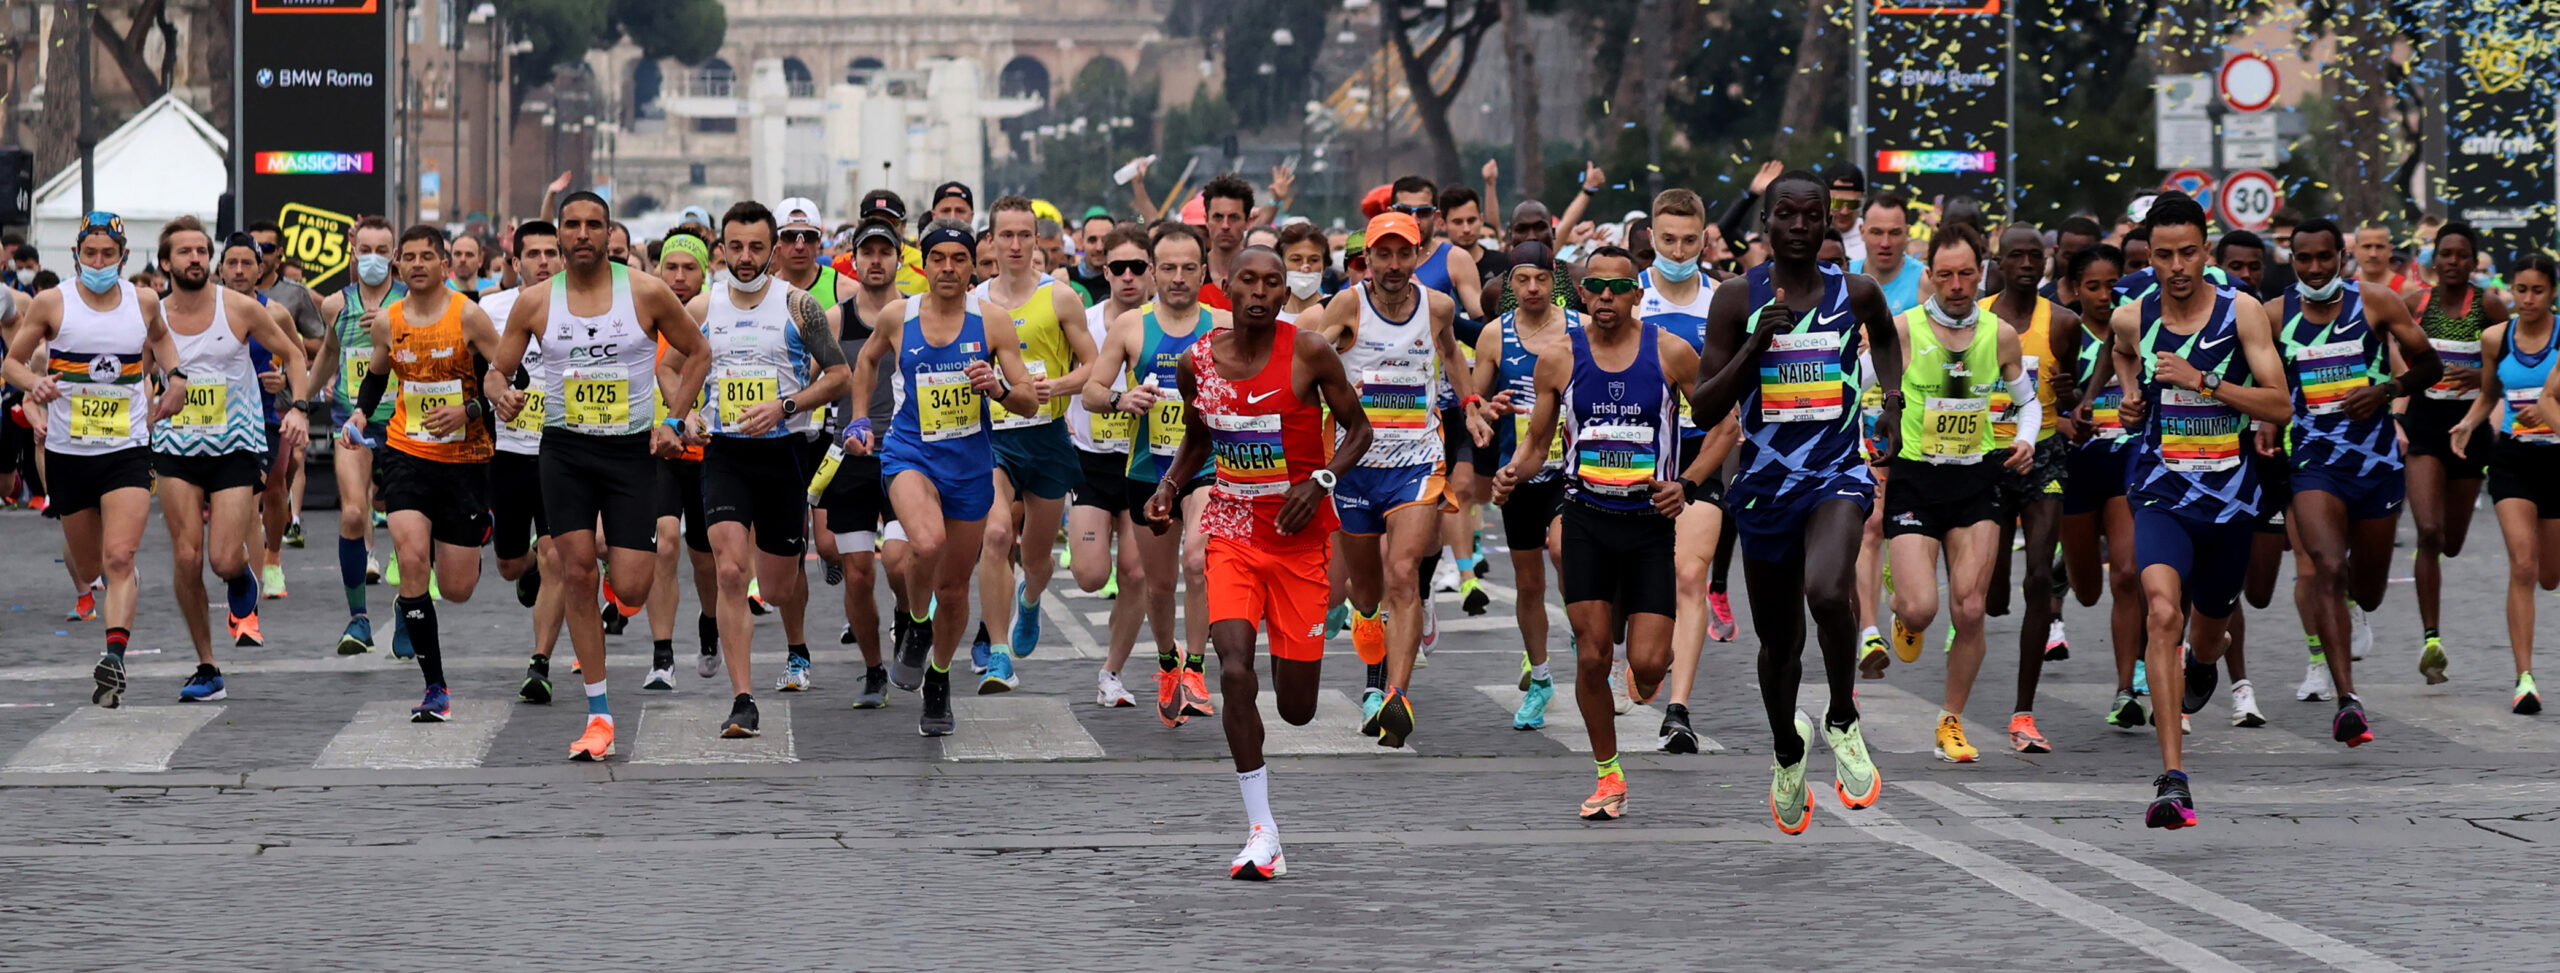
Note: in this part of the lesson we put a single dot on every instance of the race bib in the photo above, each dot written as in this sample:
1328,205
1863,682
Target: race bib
1111,430
1615,460
2197,434
2326,373
102,416
597,401
2463,353
1005,419
1951,430
1250,460
418,397
2519,400
1555,444
1398,400
1800,378
947,406
529,418
2104,414
352,364
1164,426
208,400
740,389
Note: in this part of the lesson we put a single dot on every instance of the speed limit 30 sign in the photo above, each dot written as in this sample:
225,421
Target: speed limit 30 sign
2248,199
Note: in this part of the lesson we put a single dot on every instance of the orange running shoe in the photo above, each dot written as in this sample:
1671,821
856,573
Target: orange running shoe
1169,706
1608,802
1369,639
597,742
2023,736
1195,694
245,633
86,609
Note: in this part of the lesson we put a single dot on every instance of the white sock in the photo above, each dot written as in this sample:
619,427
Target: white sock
1539,673
1618,652
1256,785
1868,633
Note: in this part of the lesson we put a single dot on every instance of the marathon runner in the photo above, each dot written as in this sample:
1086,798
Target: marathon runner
208,454
2097,517
2207,362
1886,230
1402,340
2524,458
1256,395
685,263
1507,358
1145,347
340,367
599,325
2445,488
1616,395
1100,521
1802,495
525,556
1036,463
102,335
854,502
1675,299
773,361
280,498
435,471
937,455
2030,500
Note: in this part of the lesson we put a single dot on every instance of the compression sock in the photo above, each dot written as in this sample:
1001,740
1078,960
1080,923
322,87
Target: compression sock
351,572
243,593
707,629
1609,768
116,638
420,615
1168,660
1378,676
798,651
1196,661
1256,785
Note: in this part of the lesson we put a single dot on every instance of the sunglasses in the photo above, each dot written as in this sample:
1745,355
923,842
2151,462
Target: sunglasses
1127,268
1419,211
799,236
1613,285
1844,204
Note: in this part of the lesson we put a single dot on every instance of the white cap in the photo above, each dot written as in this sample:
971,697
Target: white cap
798,212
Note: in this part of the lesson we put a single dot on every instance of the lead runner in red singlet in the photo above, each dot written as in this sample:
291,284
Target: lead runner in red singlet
1256,394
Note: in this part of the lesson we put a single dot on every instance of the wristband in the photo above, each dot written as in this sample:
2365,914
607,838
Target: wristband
858,427
1471,401
674,424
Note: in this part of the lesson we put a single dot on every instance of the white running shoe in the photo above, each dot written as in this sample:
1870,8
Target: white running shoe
2055,636
1260,860
660,680
1620,696
2244,705
1430,634
2360,633
2315,683
1109,693
1445,578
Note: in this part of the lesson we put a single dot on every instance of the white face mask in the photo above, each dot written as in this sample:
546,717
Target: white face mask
755,286
1304,284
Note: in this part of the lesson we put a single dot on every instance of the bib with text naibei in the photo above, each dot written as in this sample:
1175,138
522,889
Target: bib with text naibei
1800,377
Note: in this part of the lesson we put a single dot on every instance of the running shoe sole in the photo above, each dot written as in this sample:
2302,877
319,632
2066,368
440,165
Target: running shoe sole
660,681
2528,704
430,715
1872,665
2167,815
350,645
1395,722
1247,872
2432,665
1679,740
738,731
1608,809
2350,727
109,676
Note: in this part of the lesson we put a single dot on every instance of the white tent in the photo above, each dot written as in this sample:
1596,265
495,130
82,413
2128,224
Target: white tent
163,162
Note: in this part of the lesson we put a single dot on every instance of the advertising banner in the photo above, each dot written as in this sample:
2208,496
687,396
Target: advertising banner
2503,122
314,145
1938,100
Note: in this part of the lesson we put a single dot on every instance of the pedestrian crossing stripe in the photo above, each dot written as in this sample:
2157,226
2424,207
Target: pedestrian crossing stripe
384,737
1639,729
1008,728
686,730
132,739
1334,731
2213,730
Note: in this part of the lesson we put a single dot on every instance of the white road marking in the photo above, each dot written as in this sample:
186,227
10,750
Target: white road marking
2292,935
1335,729
1080,643
131,739
2214,732
2478,721
1637,728
686,730
1011,727
1892,720
2278,795
382,737
2162,945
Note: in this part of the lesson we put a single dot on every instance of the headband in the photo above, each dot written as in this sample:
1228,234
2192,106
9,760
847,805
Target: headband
944,234
686,243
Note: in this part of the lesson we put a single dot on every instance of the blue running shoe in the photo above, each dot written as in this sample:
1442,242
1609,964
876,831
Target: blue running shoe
1336,618
358,638
400,647
1533,705
978,651
2141,678
203,687
436,708
999,677
1026,624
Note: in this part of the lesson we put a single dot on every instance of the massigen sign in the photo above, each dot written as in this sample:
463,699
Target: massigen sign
307,163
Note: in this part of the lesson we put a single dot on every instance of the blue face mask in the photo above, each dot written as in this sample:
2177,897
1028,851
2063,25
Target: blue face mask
99,280
373,269
1675,271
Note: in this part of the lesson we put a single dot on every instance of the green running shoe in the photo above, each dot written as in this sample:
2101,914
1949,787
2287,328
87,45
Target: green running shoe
1790,802
2528,702
2431,662
1853,774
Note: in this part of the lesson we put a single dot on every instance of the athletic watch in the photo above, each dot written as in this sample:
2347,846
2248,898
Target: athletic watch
2209,384
1323,478
790,407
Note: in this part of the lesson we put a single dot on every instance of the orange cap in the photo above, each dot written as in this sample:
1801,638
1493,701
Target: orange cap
1392,223
1377,200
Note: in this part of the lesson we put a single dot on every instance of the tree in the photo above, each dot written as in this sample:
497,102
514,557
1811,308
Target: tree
563,31
1267,82
1522,61
1822,52
1437,51
1076,163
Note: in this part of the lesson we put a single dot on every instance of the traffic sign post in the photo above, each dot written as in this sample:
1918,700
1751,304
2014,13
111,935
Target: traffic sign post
2248,200
2195,183
2248,83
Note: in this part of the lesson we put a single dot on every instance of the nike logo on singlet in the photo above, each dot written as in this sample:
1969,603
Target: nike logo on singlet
1834,316
1254,399
2210,345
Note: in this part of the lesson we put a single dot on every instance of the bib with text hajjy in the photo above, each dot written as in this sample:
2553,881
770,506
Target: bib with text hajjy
1616,460
1800,377
1251,462
2519,400
1007,420
596,401
1397,397
208,399
102,415
743,388
947,406
2463,353
1951,430
418,397
2327,373
2197,434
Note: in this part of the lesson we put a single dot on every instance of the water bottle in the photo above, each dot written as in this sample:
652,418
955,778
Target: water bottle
826,471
